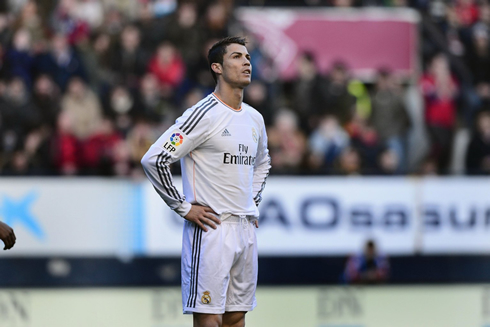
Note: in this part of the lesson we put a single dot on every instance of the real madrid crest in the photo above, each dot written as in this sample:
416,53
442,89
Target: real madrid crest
206,298
254,135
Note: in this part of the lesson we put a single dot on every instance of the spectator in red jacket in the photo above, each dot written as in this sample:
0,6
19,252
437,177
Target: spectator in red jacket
440,91
168,67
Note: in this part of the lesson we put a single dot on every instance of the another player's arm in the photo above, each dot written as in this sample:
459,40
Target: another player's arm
7,236
156,164
261,168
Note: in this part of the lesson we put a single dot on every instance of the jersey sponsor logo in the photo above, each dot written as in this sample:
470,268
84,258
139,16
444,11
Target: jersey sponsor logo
206,298
225,133
254,135
239,159
176,139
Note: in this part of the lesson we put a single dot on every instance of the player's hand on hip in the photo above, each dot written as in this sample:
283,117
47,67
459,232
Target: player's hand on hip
203,216
7,235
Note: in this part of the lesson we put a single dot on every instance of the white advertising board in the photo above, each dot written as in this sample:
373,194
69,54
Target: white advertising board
86,216
299,216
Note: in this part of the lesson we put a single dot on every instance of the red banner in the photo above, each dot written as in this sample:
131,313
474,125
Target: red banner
364,39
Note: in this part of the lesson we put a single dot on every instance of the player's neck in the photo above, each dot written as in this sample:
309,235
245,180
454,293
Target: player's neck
233,97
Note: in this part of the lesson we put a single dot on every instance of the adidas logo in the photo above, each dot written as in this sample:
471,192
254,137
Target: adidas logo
225,133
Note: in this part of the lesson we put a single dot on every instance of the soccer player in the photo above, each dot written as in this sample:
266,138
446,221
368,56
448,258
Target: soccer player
7,236
222,144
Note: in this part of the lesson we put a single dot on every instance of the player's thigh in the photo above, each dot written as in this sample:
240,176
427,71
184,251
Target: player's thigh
207,320
243,274
234,319
205,269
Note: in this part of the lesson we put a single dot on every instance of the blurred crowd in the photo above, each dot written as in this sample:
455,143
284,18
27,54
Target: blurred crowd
86,86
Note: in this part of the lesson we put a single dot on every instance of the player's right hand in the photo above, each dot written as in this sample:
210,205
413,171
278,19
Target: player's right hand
201,215
7,236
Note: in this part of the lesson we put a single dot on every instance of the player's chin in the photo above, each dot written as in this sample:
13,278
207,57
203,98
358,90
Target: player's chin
245,81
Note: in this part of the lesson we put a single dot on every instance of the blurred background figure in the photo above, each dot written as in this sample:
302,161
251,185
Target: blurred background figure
129,60
168,68
478,153
367,267
83,108
287,143
389,117
61,62
440,90
307,92
327,142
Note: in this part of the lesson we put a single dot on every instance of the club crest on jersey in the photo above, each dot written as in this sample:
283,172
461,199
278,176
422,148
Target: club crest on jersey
206,298
175,140
254,135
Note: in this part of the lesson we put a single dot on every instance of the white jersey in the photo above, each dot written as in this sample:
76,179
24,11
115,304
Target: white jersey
224,159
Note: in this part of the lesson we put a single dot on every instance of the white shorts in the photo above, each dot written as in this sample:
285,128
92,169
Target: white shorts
219,267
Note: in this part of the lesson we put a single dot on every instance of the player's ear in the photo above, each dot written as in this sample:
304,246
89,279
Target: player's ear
216,67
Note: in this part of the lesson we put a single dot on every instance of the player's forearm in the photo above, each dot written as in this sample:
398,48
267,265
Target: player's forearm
261,173
156,164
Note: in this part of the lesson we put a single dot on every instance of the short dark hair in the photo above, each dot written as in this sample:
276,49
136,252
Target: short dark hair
218,50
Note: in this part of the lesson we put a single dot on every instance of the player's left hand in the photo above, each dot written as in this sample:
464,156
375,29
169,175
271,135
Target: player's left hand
256,223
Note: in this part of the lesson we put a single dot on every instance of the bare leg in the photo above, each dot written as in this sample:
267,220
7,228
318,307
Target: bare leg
234,319
207,320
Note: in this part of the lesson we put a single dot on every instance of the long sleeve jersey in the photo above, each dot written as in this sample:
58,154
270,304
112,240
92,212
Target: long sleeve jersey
224,159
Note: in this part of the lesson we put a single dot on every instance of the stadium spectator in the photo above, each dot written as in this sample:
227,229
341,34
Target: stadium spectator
349,162
339,101
30,20
368,267
83,108
440,91
46,97
364,139
61,63
478,152
257,95
139,140
64,21
168,67
129,60
389,117
306,92
287,143
152,29
388,162
19,114
100,153
19,59
90,12
183,31
467,11
65,147
122,108
326,143
216,20
153,105
197,74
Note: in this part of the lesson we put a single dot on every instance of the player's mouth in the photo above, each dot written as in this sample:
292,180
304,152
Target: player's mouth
247,71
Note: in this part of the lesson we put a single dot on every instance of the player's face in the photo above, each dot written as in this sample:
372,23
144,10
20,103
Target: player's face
237,69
